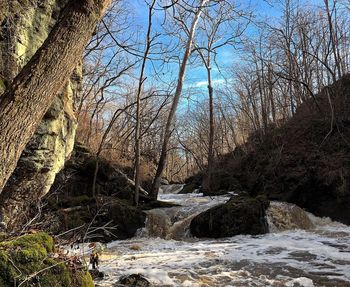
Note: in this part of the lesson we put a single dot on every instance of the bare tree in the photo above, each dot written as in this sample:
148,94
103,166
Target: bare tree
149,41
197,11
217,20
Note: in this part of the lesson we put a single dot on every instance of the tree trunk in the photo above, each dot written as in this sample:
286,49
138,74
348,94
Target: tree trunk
138,106
25,102
206,184
169,123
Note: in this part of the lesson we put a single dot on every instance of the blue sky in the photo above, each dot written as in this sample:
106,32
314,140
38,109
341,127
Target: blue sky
227,58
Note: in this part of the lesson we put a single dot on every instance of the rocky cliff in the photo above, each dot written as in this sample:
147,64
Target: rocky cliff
24,27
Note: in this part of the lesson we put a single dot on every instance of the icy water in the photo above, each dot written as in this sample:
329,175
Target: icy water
318,256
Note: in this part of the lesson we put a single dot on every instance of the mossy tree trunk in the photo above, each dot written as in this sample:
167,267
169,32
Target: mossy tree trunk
29,96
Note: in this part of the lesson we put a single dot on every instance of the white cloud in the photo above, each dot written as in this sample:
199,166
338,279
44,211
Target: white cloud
202,84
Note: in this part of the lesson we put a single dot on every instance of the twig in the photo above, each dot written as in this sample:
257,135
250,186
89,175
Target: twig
40,271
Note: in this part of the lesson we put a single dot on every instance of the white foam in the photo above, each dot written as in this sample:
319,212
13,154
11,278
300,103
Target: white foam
316,257
250,260
302,281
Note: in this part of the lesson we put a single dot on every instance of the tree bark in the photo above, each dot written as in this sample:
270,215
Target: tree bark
169,123
25,102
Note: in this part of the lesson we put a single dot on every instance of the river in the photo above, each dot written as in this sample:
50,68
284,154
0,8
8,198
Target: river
166,254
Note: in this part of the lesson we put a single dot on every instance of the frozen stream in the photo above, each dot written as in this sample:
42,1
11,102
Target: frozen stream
316,257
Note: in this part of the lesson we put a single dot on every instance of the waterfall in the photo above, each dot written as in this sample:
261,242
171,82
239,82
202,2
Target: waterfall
300,250
283,216
167,224
174,222
171,188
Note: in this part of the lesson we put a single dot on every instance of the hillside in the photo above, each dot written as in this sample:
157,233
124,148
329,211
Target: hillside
305,161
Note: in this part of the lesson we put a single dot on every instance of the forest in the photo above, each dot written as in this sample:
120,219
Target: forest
174,143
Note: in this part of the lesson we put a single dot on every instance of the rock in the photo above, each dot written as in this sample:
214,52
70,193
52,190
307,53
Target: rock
189,188
240,215
133,280
53,141
32,253
112,219
77,177
96,274
70,203
192,183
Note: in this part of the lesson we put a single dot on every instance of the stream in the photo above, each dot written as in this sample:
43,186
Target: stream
300,250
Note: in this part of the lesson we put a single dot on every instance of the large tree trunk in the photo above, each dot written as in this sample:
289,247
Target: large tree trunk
169,123
25,102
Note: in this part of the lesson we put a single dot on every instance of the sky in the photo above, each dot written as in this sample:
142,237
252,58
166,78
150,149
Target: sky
227,57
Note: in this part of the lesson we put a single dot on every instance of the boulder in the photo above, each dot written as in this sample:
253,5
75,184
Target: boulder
96,274
164,181
240,215
285,216
70,204
192,183
23,256
133,280
111,219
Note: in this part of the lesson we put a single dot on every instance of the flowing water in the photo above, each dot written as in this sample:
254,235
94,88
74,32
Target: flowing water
301,250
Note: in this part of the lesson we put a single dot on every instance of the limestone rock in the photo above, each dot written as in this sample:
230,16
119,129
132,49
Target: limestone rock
25,26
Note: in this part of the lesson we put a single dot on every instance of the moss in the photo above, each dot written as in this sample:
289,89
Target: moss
3,236
86,280
30,254
40,239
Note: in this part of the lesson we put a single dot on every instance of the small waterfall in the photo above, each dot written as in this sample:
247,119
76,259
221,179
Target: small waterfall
171,189
285,216
157,224
169,223
318,256
174,222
